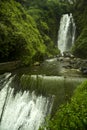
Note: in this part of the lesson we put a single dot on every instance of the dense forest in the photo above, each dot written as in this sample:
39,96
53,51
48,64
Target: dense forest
24,33
29,29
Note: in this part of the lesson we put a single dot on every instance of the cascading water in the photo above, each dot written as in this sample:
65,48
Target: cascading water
26,111
66,34
22,111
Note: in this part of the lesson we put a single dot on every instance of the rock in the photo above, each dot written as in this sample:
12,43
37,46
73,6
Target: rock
67,59
72,56
59,55
37,64
66,54
51,60
83,70
75,58
85,62
67,66
72,62
60,58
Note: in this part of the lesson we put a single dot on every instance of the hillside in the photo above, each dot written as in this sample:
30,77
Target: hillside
29,29
20,37
80,16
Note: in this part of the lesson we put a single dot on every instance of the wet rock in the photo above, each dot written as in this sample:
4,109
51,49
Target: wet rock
83,70
66,54
85,62
67,59
72,62
37,64
67,66
60,58
59,55
72,56
75,59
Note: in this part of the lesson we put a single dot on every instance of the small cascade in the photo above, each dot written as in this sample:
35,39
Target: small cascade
23,110
66,34
27,110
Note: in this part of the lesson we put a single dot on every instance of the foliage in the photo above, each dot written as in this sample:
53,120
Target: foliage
20,38
80,16
49,13
80,47
29,28
47,16
73,115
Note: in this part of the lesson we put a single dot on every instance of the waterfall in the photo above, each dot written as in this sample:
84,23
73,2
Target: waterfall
66,34
23,110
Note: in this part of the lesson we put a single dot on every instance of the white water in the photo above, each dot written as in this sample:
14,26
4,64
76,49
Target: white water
66,34
24,111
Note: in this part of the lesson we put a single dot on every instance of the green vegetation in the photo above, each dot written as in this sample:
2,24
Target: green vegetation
19,36
73,115
80,16
47,14
80,47
29,29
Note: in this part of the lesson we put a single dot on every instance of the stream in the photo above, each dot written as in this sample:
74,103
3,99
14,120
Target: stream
28,95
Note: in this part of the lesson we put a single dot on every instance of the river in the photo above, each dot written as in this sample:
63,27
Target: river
28,95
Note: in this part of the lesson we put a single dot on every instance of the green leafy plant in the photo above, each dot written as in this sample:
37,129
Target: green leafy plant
73,115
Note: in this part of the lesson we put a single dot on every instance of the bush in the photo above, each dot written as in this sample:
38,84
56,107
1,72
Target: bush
80,47
73,115
19,37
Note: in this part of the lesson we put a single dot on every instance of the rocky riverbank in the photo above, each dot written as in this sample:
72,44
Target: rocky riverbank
60,65
68,61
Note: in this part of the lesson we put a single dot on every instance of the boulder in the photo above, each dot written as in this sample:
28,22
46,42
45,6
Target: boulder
72,56
67,59
83,70
66,54
37,64
60,58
